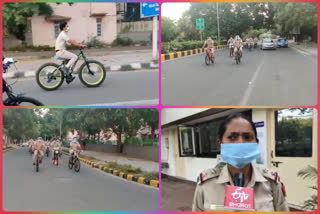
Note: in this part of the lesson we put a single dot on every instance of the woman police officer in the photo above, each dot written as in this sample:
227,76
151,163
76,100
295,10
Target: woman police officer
239,147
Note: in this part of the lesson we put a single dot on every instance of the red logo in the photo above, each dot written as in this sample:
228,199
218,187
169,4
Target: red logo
239,198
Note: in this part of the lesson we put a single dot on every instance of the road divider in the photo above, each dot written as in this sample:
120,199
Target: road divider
180,54
129,177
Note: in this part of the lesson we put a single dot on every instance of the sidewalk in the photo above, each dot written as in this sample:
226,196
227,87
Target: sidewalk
310,47
144,165
124,60
176,195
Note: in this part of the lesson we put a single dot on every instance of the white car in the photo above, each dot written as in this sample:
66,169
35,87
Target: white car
268,44
25,144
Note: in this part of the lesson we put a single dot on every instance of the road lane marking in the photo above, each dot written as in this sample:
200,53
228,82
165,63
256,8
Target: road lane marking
251,84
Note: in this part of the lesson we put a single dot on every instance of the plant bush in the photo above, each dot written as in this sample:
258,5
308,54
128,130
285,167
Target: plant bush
125,41
95,43
174,46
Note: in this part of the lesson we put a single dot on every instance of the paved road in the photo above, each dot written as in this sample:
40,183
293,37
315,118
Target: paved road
60,189
264,78
119,88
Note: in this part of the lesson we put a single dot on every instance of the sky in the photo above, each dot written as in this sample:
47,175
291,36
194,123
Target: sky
174,10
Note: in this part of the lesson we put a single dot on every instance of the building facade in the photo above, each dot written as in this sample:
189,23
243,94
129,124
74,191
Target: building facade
86,20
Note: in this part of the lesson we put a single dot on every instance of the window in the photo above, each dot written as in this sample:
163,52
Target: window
208,136
293,131
201,139
56,29
99,27
186,141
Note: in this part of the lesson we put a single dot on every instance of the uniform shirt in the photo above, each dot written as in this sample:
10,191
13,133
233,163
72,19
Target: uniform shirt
61,41
55,145
238,43
209,43
210,191
75,146
38,145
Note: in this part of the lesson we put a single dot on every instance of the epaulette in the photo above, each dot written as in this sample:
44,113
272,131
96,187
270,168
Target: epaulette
209,174
271,175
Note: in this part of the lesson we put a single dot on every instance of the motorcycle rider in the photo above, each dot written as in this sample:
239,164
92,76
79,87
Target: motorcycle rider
75,148
38,147
238,44
55,147
210,45
230,44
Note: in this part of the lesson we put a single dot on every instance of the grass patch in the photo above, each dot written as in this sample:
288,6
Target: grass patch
150,175
126,168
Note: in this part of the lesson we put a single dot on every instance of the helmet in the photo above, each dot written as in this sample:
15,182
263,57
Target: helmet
237,37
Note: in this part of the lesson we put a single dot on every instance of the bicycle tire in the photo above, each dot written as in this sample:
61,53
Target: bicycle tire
70,164
19,100
77,165
207,60
37,165
47,88
100,81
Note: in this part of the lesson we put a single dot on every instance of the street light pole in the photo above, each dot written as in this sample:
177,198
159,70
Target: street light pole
218,23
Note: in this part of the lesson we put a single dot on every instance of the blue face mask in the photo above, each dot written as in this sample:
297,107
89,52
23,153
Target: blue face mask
239,154
68,28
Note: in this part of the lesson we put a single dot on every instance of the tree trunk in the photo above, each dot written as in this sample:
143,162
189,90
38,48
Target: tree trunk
119,143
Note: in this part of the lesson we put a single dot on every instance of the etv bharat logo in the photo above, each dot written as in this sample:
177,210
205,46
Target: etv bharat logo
240,195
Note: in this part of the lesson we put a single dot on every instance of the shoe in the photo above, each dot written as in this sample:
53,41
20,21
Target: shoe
40,161
34,164
69,78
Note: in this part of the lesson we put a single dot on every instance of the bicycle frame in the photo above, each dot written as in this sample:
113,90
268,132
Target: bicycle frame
80,56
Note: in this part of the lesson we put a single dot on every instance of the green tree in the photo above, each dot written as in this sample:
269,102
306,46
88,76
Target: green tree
311,173
291,15
169,30
15,16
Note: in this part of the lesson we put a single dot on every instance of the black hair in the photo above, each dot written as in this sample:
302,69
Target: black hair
223,125
63,25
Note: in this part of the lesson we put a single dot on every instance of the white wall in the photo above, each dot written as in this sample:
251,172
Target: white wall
169,115
168,154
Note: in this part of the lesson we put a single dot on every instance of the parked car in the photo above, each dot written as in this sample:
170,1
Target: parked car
25,144
268,44
282,43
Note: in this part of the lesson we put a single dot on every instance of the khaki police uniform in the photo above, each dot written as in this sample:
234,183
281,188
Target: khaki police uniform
209,195
210,44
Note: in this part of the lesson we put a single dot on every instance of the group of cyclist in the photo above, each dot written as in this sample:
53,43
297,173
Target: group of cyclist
40,146
235,44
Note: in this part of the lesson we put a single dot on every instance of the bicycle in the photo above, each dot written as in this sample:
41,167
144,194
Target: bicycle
12,99
209,58
238,56
74,161
50,76
38,158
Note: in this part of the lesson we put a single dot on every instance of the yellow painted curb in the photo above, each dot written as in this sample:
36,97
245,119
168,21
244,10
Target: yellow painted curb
129,177
115,172
162,57
100,167
141,180
154,183
179,54
121,174
171,55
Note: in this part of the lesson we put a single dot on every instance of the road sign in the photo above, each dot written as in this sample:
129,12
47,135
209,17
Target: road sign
149,9
200,24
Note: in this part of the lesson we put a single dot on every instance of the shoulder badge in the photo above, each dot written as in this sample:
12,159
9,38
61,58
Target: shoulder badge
271,175
209,174
283,188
